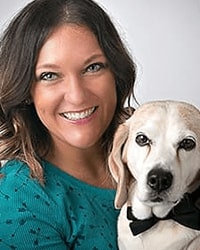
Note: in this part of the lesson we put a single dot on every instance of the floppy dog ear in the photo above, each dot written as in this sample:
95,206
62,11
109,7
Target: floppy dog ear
117,166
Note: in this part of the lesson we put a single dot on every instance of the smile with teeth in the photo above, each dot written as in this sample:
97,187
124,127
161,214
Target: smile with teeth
74,116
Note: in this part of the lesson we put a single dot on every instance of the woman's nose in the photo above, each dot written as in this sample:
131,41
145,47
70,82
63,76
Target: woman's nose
76,92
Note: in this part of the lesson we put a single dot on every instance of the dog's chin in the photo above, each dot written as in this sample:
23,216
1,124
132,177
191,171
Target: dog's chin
157,207
162,209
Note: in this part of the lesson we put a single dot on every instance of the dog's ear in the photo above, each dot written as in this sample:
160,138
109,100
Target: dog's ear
117,166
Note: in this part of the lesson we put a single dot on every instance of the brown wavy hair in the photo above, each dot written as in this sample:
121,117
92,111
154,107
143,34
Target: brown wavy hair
22,135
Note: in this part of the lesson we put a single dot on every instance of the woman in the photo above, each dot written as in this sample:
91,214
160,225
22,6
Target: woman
64,78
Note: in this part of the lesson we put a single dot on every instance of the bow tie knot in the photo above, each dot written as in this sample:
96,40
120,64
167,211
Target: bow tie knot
186,213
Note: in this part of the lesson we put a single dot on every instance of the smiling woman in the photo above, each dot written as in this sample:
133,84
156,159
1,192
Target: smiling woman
79,89
65,76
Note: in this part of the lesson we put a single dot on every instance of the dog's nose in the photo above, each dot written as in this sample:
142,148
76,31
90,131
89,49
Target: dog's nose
159,179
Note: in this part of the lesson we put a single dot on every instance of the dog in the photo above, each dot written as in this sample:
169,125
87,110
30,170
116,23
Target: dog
155,161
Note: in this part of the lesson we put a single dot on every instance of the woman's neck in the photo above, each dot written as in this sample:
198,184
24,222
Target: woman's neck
88,165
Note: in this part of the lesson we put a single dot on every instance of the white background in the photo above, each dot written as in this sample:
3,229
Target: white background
163,37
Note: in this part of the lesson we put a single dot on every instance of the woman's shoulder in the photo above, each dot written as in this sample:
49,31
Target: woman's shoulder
13,171
28,214
16,183
19,187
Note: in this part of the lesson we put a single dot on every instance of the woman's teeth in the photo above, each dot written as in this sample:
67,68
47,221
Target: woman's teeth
74,116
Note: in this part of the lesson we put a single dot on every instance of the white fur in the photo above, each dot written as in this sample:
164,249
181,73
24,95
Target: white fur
166,124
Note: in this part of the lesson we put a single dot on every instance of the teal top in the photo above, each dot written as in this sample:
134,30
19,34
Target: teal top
64,214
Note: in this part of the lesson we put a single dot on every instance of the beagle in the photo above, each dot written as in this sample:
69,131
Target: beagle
155,161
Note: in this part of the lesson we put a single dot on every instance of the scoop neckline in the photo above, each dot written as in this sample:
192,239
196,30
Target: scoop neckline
46,164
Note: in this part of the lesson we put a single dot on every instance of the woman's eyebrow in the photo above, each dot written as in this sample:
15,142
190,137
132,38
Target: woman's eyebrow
47,65
94,57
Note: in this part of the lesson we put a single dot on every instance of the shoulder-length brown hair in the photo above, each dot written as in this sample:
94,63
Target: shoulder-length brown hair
22,135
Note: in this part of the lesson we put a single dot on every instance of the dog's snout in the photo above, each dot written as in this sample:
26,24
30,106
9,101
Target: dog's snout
159,180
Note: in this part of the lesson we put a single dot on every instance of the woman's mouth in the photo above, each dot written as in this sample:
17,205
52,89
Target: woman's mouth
74,116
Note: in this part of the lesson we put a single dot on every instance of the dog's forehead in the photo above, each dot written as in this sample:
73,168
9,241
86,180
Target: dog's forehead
165,112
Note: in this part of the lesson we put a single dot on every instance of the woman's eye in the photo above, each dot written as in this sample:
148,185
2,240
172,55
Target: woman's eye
95,67
48,76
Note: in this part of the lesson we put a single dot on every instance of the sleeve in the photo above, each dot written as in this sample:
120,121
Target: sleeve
28,218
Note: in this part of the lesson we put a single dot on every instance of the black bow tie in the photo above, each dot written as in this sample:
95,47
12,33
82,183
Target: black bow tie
186,212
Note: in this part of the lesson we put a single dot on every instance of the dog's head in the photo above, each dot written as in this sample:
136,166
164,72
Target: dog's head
156,157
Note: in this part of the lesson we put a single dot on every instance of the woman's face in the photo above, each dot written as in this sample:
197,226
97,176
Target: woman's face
74,94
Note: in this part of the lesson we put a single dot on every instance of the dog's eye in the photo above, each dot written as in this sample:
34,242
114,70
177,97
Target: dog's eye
187,144
142,140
